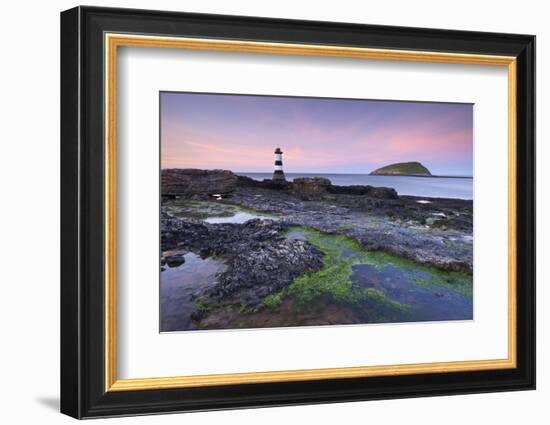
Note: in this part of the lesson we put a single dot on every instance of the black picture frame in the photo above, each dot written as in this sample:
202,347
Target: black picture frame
83,392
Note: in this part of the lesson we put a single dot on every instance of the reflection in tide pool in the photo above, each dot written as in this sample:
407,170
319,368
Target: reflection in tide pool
424,293
424,302
239,218
180,285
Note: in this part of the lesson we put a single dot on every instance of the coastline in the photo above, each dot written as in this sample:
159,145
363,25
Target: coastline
336,243
246,173
459,187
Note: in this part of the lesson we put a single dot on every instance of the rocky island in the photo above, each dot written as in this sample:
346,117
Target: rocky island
403,169
306,252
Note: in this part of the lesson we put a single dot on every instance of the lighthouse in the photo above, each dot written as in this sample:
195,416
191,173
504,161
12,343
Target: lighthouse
278,174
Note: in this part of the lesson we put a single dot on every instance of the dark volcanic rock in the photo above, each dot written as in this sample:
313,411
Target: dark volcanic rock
172,229
259,269
190,181
244,181
174,260
204,183
438,233
319,189
310,188
370,191
260,259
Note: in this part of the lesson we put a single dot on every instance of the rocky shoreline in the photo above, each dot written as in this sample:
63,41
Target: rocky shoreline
263,263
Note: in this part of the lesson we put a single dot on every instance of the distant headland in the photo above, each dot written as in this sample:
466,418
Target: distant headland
403,169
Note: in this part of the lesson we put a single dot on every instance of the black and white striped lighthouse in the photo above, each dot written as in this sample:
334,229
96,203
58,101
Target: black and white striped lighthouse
278,174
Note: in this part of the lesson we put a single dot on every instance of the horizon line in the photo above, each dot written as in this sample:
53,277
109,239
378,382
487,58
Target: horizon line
318,172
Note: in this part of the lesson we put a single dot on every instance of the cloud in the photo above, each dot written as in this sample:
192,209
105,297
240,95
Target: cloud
314,135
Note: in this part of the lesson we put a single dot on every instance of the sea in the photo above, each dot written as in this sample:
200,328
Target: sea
431,187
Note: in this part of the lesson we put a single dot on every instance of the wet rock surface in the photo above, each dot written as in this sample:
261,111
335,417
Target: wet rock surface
310,188
174,260
190,181
260,260
438,233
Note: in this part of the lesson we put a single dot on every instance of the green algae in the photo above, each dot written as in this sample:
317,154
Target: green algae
344,226
185,208
461,283
457,244
274,300
458,282
334,282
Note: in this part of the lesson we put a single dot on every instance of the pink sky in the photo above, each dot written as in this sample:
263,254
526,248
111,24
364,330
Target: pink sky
239,133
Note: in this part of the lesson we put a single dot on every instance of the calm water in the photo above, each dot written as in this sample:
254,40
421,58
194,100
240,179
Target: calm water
239,218
400,283
179,285
424,303
433,187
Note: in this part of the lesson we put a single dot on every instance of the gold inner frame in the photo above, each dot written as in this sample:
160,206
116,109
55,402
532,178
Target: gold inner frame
113,41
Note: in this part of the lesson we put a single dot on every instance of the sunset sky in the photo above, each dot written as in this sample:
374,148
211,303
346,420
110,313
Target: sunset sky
240,133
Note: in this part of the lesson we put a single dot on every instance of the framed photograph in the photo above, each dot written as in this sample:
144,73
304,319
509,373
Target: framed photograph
261,212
